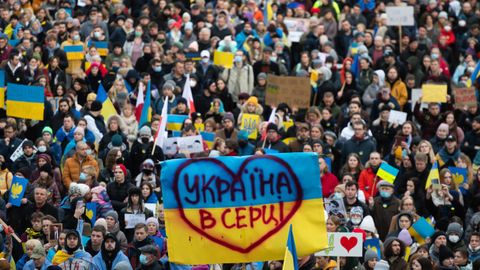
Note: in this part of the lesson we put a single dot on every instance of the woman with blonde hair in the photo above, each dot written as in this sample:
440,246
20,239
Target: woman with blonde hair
117,87
425,147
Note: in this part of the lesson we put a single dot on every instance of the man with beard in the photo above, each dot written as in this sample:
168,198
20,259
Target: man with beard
140,240
303,134
72,256
110,255
273,140
394,253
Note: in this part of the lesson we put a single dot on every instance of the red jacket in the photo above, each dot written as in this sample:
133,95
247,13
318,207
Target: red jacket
329,182
367,182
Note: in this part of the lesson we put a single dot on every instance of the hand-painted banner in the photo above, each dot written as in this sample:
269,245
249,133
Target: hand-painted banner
240,208
250,123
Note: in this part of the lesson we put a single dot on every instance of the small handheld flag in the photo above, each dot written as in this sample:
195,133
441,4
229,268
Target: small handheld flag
387,172
290,262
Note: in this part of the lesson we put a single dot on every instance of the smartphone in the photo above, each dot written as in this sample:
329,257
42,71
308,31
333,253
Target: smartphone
80,204
400,139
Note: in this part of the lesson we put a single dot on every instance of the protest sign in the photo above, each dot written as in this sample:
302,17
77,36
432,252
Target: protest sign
239,208
434,93
336,207
343,245
459,175
191,144
133,219
400,16
397,117
152,207
416,94
373,244
223,59
250,123
294,91
17,190
296,28
171,146
465,97
18,152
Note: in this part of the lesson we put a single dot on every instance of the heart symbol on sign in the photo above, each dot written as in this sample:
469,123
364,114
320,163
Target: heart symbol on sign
89,214
209,168
348,243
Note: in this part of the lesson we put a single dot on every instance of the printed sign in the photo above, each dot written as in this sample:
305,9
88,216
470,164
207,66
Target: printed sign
343,245
240,208
250,123
133,219
292,90
336,207
400,16
465,97
459,175
296,28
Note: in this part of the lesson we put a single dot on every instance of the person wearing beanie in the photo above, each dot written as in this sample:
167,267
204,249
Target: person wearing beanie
54,148
273,141
46,179
182,107
111,255
154,233
370,259
455,237
27,160
260,88
115,126
474,247
228,131
394,253
72,253
113,226
438,239
368,225
118,189
382,265
446,258
142,150
167,95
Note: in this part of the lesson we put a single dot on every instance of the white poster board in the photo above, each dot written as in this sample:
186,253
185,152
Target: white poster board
416,94
296,28
397,117
343,245
400,16
133,219
192,144
18,152
152,207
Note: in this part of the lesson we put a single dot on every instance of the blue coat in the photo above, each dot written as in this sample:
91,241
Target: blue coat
100,263
30,265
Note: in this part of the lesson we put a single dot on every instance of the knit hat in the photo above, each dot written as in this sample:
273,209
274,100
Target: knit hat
38,252
25,171
46,168
182,100
169,85
101,222
27,143
444,253
117,141
436,235
78,189
96,106
124,265
405,237
356,210
370,254
152,220
382,265
47,130
331,134
272,126
91,97
113,214
262,76
45,157
455,228
253,100
368,224
122,167
145,131
228,116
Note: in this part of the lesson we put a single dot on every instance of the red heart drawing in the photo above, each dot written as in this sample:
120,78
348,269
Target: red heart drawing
348,243
214,167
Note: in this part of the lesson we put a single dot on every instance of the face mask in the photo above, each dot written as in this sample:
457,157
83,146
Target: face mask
145,140
205,60
157,69
76,37
385,194
89,152
434,56
338,195
143,259
161,40
273,58
462,23
328,65
147,171
83,176
42,149
237,59
115,69
447,28
193,83
454,238
138,33
97,34
356,221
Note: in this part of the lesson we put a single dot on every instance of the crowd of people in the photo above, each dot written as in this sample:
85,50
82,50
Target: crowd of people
360,69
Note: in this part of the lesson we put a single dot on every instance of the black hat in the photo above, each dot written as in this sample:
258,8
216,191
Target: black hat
272,126
134,191
96,106
436,235
110,236
451,138
182,100
477,119
27,143
150,249
46,168
389,53
444,253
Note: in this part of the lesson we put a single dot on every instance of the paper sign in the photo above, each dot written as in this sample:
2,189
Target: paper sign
296,28
18,152
336,207
397,117
400,16
133,219
240,208
171,146
434,93
191,144
416,94
223,59
294,91
343,245
459,175
465,97
152,207
250,123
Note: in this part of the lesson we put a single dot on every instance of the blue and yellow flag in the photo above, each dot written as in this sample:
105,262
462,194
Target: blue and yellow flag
91,211
267,12
146,115
459,175
473,77
2,88
387,172
208,138
107,106
421,230
240,208
102,47
175,121
25,101
433,177
74,52
290,262
17,190
373,244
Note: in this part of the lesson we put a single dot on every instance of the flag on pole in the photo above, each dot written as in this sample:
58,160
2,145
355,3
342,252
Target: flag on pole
140,101
146,110
290,262
187,94
433,177
162,132
107,106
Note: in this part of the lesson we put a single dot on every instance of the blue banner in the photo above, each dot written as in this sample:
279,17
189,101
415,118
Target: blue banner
91,212
17,190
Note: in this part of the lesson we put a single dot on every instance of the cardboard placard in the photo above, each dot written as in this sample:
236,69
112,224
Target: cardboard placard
294,91
400,16
465,97
343,245
223,59
434,93
54,231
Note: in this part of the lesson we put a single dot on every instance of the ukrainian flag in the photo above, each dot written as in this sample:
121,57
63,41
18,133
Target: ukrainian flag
2,88
433,176
267,12
290,262
74,52
474,75
107,106
175,121
208,138
387,172
146,115
24,101
421,230
102,47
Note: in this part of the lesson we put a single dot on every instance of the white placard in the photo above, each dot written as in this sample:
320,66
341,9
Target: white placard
296,28
397,117
416,94
343,245
133,219
191,144
152,207
18,152
170,146
400,16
